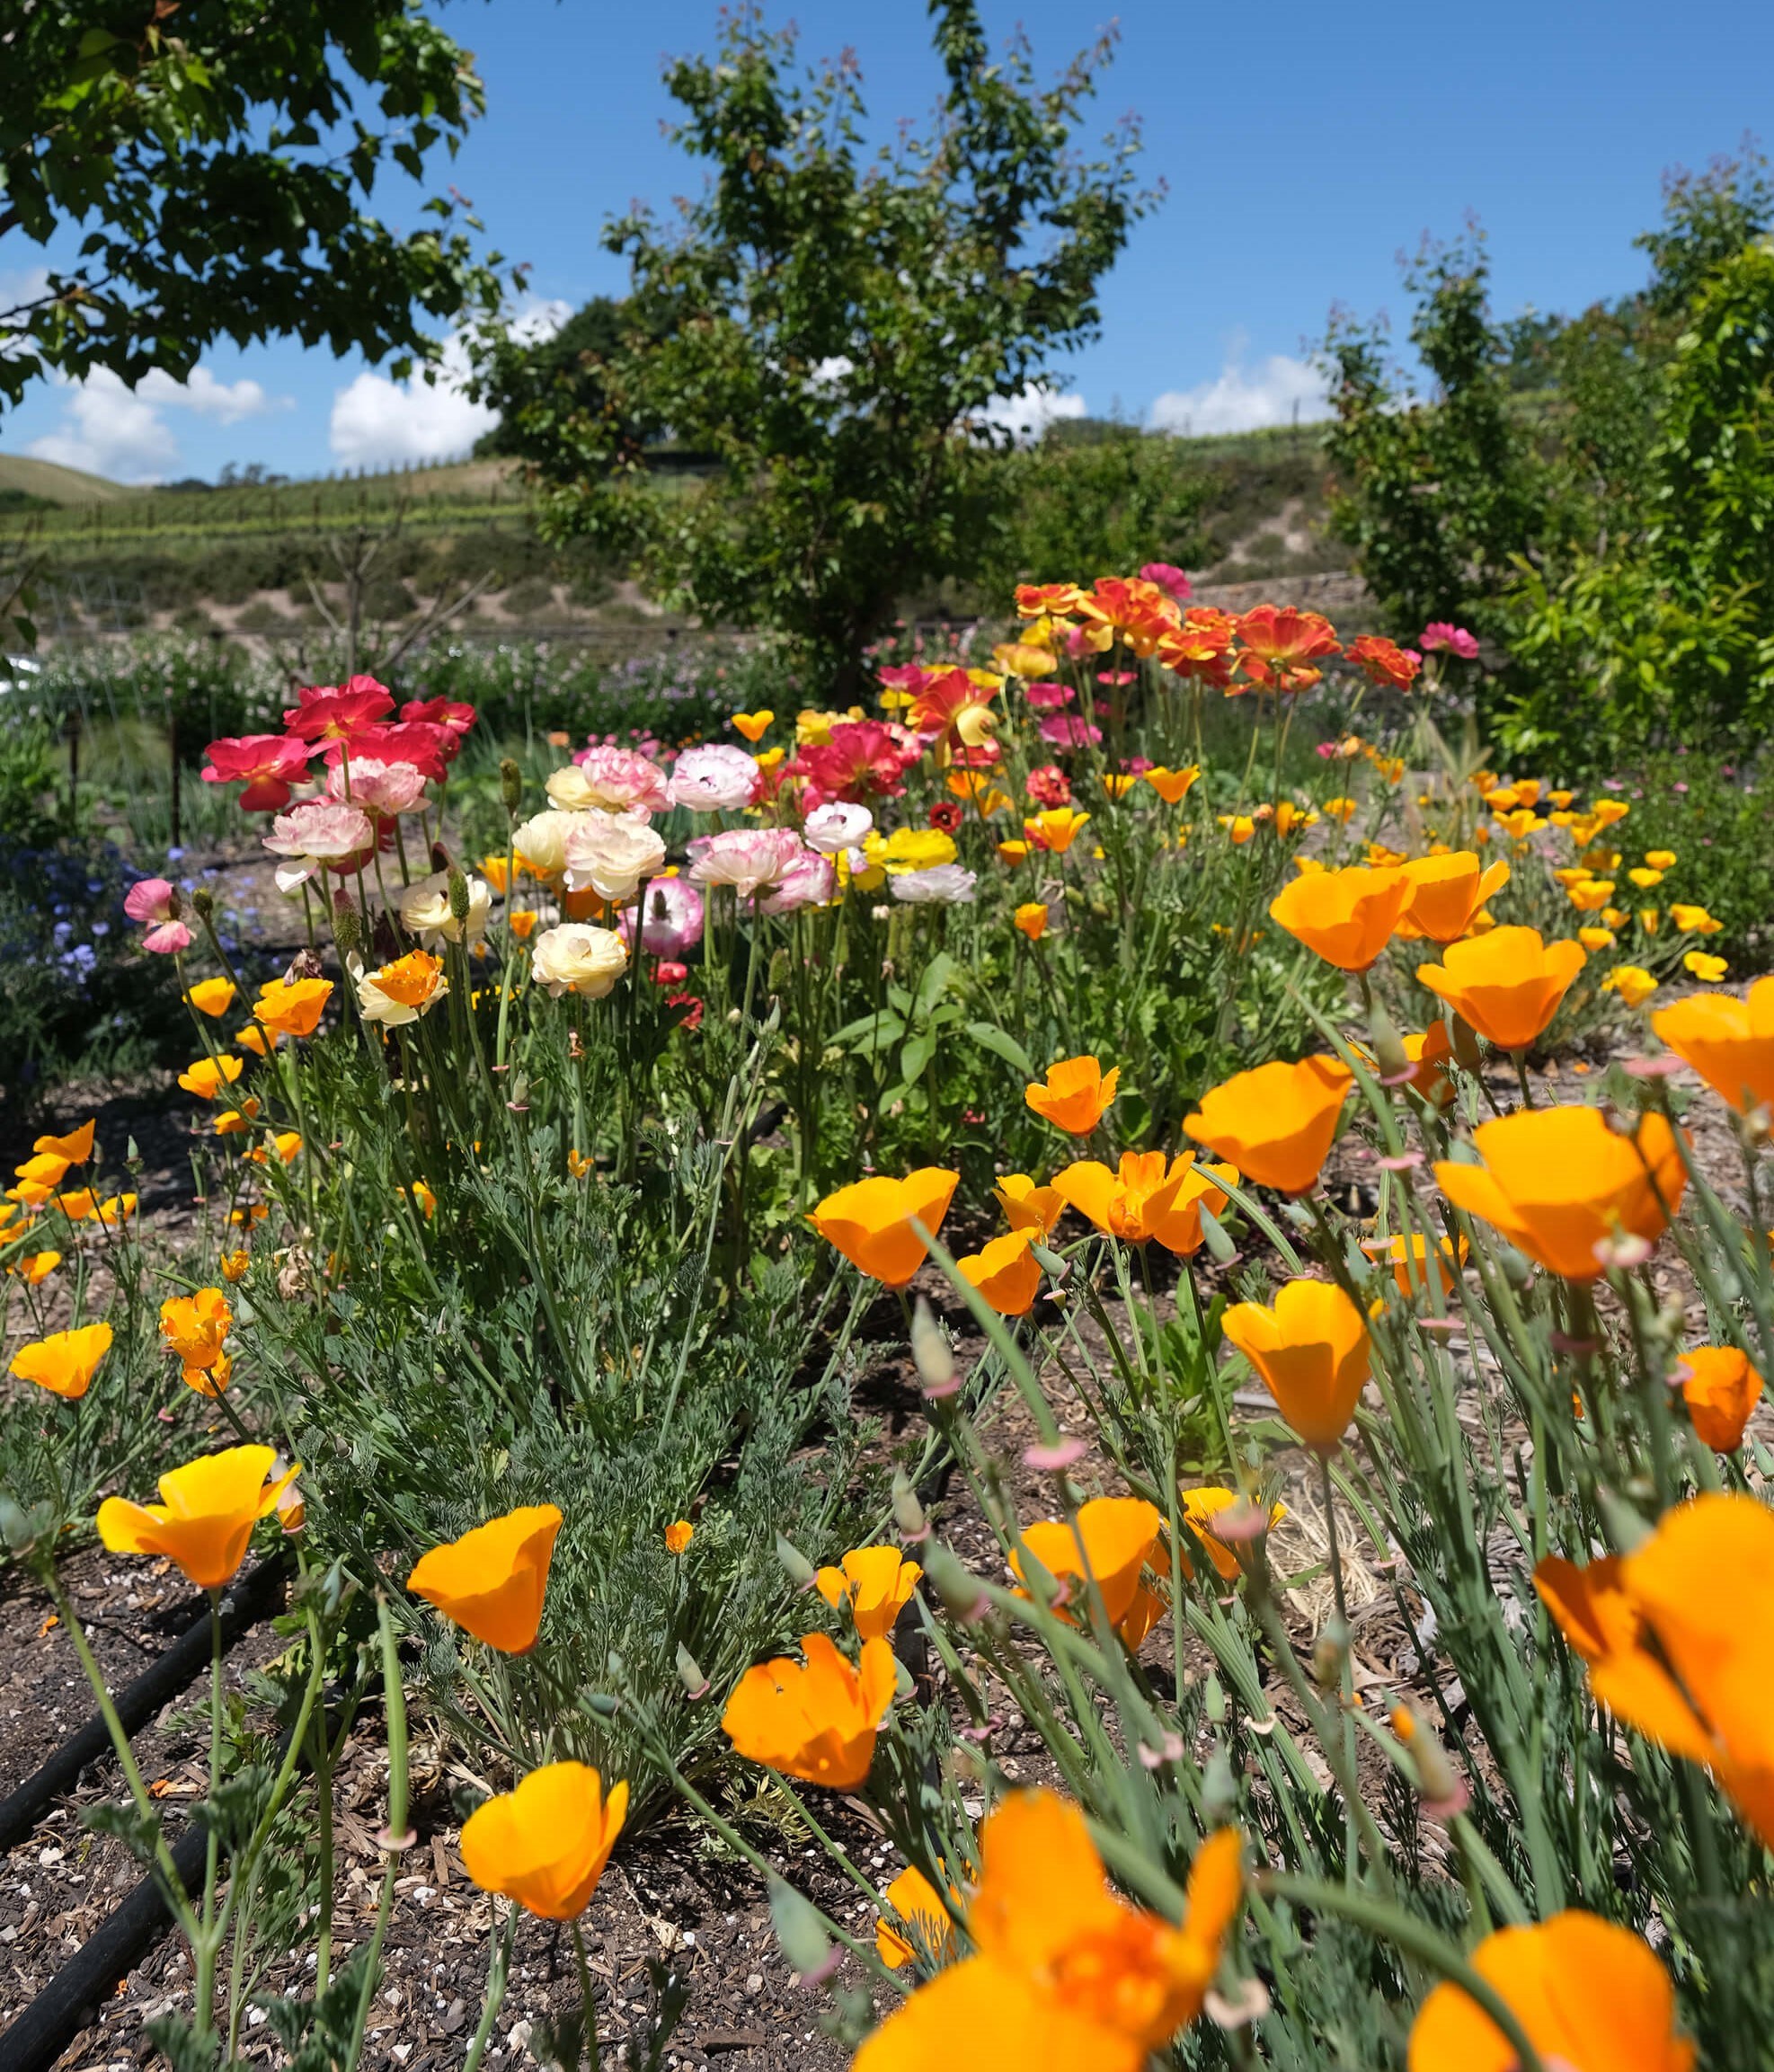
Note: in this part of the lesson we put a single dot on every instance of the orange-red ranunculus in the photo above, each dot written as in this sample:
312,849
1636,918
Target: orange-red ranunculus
492,1580
1345,917
65,1361
1507,983
1729,1043
1111,1542
1589,1995
1275,1123
876,1582
1066,1975
1075,1095
1721,1388
1311,1349
1678,1635
546,1844
1446,893
1005,1271
870,1221
816,1722
206,1514
1148,1197
1557,1182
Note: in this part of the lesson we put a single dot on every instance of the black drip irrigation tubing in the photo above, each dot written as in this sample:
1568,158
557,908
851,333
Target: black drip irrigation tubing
67,2004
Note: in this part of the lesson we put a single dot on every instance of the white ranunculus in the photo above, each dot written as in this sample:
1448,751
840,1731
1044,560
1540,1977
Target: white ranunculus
838,827
425,912
942,885
577,958
611,855
542,841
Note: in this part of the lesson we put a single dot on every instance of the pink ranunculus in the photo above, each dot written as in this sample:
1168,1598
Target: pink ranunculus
1068,730
324,833
837,826
1048,697
268,763
152,900
1456,640
1169,578
381,789
168,939
671,918
714,779
808,880
749,859
619,781
1049,786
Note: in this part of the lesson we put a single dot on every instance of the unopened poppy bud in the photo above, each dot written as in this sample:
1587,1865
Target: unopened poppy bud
1050,1263
1215,1698
1328,1654
689,1674
801,1932
907,1512
510,784
1464,1044
1213,1231
1388,1049
930,1350
1443,1789
781,964
800,1571
955,1583
203,902
347,928
458,896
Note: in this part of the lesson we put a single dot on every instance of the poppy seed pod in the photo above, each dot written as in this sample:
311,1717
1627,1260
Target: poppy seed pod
510,784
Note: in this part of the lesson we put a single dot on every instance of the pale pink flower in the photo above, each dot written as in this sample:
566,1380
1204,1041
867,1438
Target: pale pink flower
749,859
837,826
941,885
611,855
618,780
808,880
152,900
168,939
1456,640
381,789
328,834
715,779
671,918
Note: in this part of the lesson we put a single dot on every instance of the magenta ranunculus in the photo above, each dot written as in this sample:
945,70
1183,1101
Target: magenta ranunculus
1456,640
716,778
1169,578
1069,730
1048,697
749,859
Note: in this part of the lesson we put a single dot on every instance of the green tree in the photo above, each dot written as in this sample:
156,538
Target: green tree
536,384
829,327
215,159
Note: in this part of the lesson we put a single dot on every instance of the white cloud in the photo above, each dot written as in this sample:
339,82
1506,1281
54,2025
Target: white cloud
110,429
1242,399
380,423
1028,414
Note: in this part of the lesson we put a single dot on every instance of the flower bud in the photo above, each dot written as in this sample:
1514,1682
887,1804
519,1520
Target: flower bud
1388,1049
203,902
799,1568
458,896
907,1512
930,1350
955,1583
347,928
1219,1244
689,1674
510,784
801,1932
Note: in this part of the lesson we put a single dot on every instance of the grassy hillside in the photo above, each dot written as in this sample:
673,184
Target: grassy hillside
63,487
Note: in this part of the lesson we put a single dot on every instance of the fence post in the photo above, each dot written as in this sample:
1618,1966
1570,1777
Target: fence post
73,768
172,757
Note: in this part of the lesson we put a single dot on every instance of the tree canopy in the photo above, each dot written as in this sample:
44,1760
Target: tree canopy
215,159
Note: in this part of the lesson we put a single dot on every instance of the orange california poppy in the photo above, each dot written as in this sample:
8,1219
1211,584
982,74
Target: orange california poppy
546,1844
877,1583
1507,984
1558,1182
76,1146
1721,1389
1211,1515
1065,1973
196,1327
1027,1207
679,1536
206,1077
492,1580
1030,919
1076,1096
295,1008
1005,1271
1677,1636
917,1904
870,1221
1055,830
1311,1349
206,1514
65,1361
212,996
1589,1995
37,1268
1409,1261
1345,917
816,1722
1173,785
1148,1198
1275,1123
754,726
1446,892
1729,1043
1109,1543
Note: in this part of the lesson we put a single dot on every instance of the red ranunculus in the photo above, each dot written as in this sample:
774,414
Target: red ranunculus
329,712
267,764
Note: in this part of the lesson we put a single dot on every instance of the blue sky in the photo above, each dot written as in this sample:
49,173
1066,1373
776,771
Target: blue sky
1304,148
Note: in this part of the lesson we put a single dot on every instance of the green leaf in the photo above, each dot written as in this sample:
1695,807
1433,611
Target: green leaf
989,1036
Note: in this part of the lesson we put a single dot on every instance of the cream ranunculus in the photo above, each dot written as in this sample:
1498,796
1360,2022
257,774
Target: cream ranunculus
542,841
577,958
609,855
425,910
